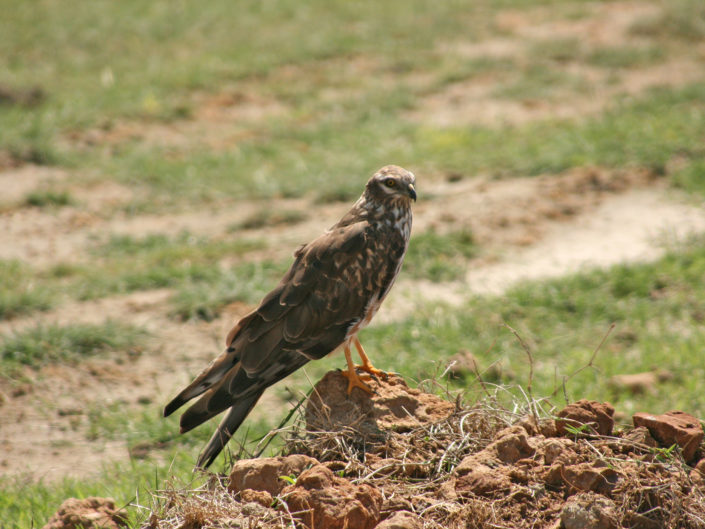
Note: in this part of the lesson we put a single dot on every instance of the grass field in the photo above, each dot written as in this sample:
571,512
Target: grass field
160,163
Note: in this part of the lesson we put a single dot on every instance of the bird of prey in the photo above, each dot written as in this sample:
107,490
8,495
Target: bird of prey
332,290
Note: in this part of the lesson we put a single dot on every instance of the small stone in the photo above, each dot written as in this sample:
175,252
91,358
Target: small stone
252,509
553,449
640,383
700,467
401,520
697,475
589,511
483,481
511,445
642,436
597,416
673,427
589,477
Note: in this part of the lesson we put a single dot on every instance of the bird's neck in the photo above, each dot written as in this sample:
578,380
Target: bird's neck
381,214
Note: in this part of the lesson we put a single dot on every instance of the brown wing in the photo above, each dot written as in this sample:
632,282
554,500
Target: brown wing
305,317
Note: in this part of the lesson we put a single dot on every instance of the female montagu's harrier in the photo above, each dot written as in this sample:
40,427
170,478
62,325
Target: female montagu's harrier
333,289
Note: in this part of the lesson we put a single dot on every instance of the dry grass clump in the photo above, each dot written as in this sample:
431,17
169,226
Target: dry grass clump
209,506
635,482
424,452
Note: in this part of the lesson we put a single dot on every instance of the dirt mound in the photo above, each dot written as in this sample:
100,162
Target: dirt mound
393,407
89,513
321,499
405,458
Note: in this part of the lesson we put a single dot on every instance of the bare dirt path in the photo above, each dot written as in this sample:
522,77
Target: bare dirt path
639,225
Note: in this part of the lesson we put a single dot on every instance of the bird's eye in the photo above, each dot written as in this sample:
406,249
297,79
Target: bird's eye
390,182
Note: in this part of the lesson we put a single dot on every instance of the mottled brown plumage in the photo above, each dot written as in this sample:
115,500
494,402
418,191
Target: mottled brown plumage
332,290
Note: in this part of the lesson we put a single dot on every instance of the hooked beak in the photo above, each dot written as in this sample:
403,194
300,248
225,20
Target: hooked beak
412,192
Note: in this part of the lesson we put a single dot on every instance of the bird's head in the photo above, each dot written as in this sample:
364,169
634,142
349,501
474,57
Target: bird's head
392,184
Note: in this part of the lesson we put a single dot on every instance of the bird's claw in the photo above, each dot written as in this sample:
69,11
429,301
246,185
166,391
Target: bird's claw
356,381
372,370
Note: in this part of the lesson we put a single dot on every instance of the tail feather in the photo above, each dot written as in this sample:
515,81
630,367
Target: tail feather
227,427
209,377
213,402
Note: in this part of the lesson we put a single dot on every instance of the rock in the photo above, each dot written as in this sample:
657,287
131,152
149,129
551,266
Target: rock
555,450
319,499
697,475
598,416
261,497
264,474
89,513
483,481
673,427
589,477
511,445
253,509
483,473
393,407
642,436
589,511
463,365
639,383
395,503
401,520
547,428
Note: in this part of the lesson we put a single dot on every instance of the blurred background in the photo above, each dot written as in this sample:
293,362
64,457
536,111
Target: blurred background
161,161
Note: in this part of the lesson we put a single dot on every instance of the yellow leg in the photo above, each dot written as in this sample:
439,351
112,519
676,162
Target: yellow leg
366,364
354,380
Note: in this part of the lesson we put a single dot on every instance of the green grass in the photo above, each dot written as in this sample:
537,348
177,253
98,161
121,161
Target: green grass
19,292
49,197
115,80
559,50
678,20
439,257
155,261
161,248
325,144
44,344
159,457
123,264
268,217
205,300
626,56
540,82
691,178
647,132
27,503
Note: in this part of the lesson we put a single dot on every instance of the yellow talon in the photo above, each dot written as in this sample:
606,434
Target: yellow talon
366,364
356,381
